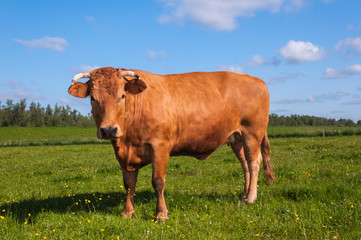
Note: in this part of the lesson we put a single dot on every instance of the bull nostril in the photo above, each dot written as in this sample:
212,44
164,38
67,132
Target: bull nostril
113,131
103,132
109,132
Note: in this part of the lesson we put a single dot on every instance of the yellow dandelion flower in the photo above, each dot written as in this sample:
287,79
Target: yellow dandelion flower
89,221
335,237
2,217
25,223
45,237
102,230
29,214
54,230
3,210
330,217
100,199
257,235
36,234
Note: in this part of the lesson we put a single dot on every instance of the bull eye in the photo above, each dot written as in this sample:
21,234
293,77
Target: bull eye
121,98
92,98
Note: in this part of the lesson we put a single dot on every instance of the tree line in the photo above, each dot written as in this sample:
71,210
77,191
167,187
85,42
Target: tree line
19,115
305,120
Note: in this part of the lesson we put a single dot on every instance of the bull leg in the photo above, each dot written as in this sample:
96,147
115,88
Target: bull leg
253,156
159,164
237,148
130,180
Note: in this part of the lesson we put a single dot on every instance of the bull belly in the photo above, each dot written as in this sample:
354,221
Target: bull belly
200,150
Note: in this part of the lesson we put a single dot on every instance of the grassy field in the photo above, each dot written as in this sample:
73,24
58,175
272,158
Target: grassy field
74,191
35,136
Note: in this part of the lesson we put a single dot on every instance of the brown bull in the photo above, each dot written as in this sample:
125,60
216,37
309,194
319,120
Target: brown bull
149,117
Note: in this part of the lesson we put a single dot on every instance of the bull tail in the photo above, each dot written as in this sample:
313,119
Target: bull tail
269,174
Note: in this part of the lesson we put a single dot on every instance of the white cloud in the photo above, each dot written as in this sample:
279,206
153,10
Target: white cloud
331,73
349,47
89,19
156,55
19,94
28,95
84,68
299,52
329,96
14,84
288,101
354,69
256,60
353,102
75,101
314,98
222,14
283,77
53,43
231,68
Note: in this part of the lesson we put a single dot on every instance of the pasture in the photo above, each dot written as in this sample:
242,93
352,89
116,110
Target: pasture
61,183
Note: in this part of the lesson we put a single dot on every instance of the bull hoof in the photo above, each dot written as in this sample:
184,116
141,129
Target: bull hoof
128,214
161,218
250,199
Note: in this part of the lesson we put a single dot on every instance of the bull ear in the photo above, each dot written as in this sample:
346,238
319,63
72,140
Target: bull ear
135,86
79,89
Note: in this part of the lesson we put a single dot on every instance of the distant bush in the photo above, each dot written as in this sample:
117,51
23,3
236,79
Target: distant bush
305,120
18,115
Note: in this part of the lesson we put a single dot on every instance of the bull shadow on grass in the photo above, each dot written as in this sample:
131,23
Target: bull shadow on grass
102,202
72,203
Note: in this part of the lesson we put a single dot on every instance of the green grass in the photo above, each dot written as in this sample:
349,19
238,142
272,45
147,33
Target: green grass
74,192
48,136
306,131
38,136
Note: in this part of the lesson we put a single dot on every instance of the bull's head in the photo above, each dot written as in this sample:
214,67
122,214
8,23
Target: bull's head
107,89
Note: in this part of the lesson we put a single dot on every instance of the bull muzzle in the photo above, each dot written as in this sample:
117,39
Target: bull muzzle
109,132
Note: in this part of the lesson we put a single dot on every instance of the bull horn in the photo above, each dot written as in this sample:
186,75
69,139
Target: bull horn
80,76
130,73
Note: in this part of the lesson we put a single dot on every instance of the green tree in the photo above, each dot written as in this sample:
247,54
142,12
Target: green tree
20,114
48,116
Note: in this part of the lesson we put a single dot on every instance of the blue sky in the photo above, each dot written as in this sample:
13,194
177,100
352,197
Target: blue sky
307,51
